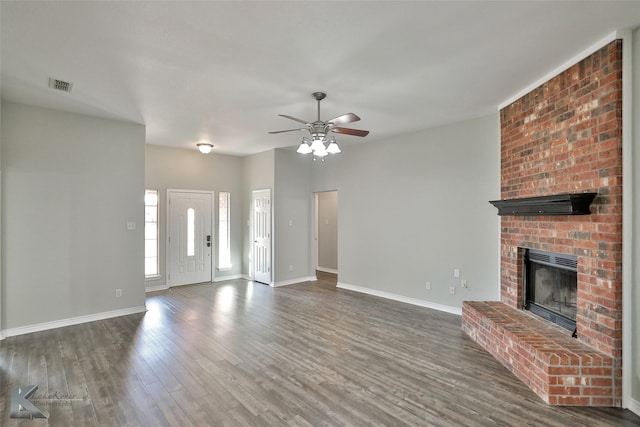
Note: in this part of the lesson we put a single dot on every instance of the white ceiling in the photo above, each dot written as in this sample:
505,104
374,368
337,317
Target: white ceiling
221,72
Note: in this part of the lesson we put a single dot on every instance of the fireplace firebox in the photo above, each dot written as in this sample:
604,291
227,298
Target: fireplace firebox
551,286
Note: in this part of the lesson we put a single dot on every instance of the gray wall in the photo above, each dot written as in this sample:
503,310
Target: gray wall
414,208
1,197
292,217
327,230
257,174
70,185
172,168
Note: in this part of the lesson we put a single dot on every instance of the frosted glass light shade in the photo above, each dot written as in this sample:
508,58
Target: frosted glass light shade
333,148
205,148
317,144
304,148
320,153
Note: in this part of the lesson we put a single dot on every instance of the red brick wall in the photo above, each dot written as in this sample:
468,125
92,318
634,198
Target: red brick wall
566,137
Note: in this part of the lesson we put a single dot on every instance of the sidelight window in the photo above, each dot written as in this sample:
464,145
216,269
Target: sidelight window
224,230
150,233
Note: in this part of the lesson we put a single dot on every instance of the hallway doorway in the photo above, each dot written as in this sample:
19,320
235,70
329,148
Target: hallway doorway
326,234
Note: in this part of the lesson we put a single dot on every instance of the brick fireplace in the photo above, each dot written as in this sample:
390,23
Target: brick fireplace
563,137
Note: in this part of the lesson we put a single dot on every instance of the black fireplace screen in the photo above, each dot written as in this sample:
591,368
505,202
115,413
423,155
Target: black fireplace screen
551,284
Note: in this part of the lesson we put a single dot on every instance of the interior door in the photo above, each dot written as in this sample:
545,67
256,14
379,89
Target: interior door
189,237
261,203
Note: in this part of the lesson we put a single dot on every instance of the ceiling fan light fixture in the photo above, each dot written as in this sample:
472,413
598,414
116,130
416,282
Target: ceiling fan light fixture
320,152
204,148
319,144
304,148
333,147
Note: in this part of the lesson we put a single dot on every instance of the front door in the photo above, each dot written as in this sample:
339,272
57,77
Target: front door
261,203
189,237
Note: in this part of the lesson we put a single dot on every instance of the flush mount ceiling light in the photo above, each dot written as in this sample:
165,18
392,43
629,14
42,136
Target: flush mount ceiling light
204,147
319,144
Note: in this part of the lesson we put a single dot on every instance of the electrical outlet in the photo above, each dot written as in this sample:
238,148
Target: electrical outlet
456,272
118,293
291,268
428,286
463,283
452,290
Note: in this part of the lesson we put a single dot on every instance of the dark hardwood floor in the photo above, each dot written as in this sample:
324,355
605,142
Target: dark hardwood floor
242,354
327,277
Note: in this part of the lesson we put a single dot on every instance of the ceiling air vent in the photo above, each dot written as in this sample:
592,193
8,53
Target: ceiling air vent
60,85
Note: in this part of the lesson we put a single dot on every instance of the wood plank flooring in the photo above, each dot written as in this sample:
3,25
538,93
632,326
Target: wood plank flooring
327,277
242,354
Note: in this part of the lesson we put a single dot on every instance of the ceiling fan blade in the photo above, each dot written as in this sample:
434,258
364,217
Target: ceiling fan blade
344,119
349,131
288,130
294,119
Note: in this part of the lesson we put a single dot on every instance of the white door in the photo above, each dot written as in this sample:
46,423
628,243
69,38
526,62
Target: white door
261,203
189,237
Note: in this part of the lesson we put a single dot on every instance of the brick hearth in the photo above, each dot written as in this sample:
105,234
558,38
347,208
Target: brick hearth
563,137
561,370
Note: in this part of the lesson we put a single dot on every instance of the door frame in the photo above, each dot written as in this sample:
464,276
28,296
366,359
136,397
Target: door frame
168,227
315,250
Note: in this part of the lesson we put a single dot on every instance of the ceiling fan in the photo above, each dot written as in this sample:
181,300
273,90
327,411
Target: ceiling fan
319,130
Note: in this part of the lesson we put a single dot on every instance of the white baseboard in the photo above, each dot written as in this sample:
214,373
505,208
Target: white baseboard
155,288
401,298
327,270
634,406
72,321
293,281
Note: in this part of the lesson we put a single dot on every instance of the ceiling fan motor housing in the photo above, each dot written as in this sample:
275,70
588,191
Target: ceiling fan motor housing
319,128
